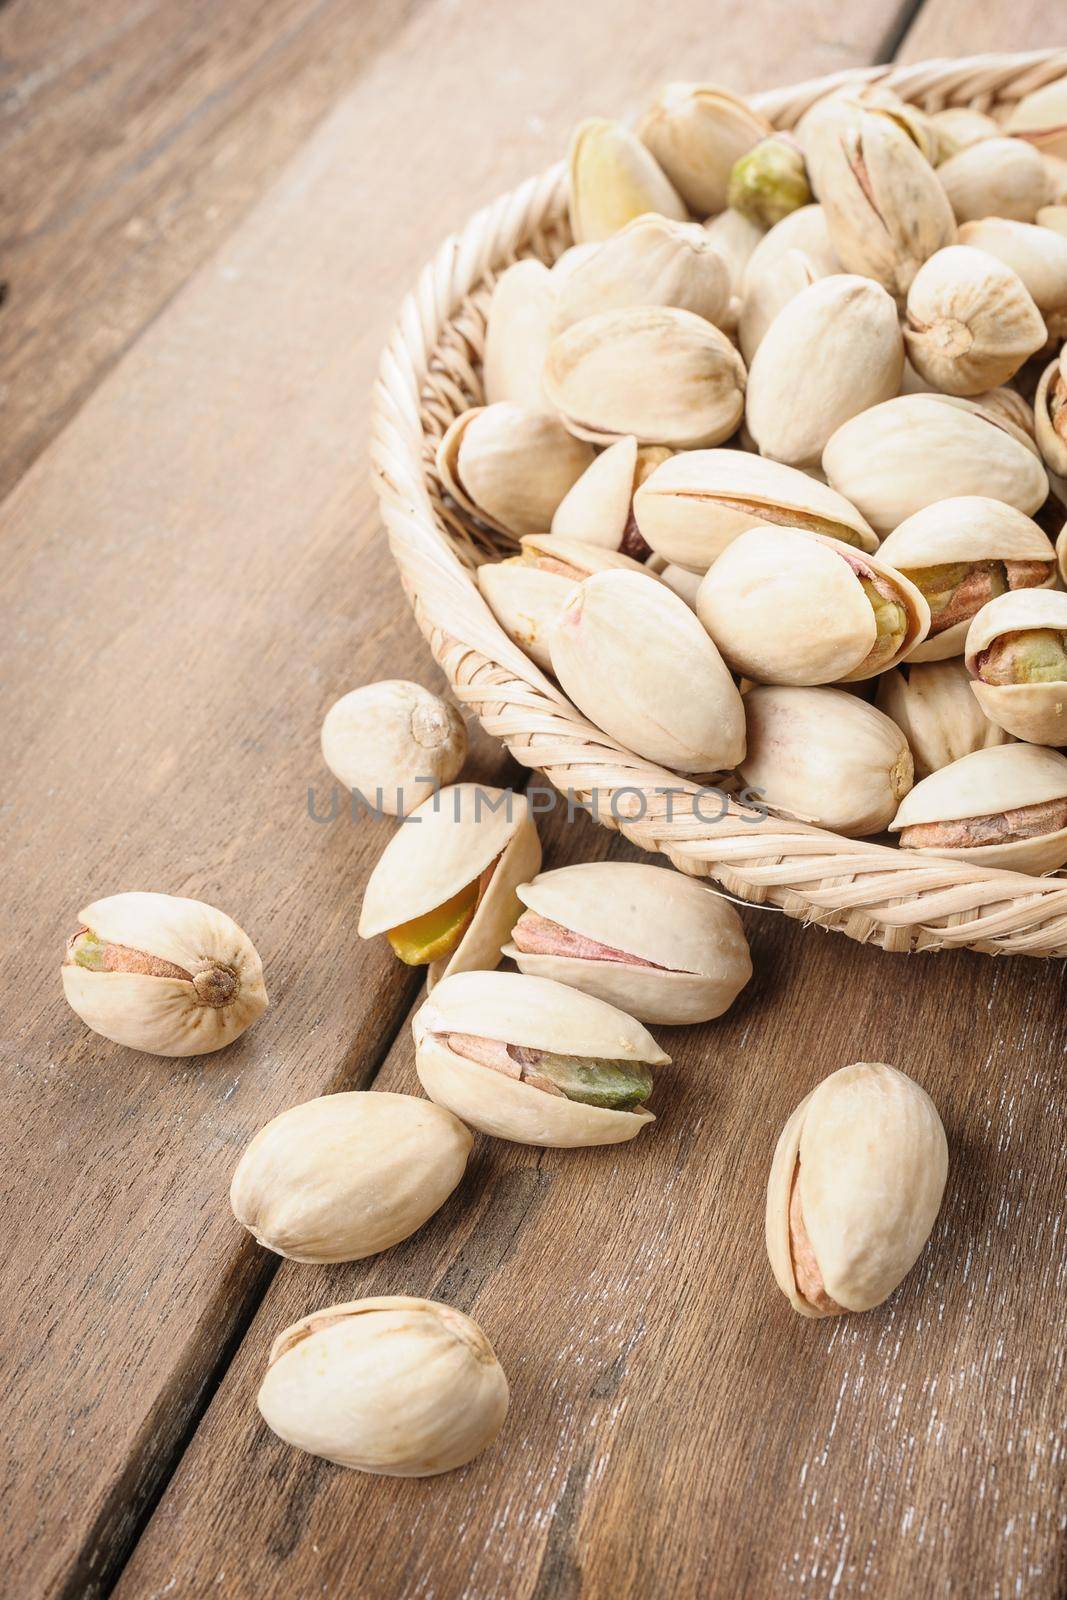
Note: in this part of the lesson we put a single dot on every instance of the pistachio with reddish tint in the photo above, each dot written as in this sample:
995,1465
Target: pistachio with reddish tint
1004,807
1016,654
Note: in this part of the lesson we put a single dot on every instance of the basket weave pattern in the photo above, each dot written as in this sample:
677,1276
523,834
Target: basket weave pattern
430,372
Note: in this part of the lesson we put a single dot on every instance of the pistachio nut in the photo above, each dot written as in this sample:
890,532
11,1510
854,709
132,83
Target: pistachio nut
833,351
825,757
996,178
443,889
770,180
517,333
346,1175
957,128
736,239
906,453
599,509
960,553
613,179
402,1387
769,294
1003,807
1038,255
647,939
697,132
510,467
164,974
394,742
637,663
526,593
794,608
666,376
855,1188
1017,656
693,506
653,261
805,230
1056,174
1041,118
971,322
885,208
934,708
535,1061
1007,405
1054,217
1050,416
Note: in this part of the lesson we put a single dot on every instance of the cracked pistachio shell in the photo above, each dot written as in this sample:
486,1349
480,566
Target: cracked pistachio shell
1005,777
696,504
635,661
1036,712
666,376
971,321
653,261
995,178
394,1385
613,179
394,742
868,1154
1038,255
444,845
697,132
693,937
510,467
826,757
960,530
527,598
903,455
957,128
571,259
771,181
833,351
517,334
600,508
346,1175
787,607
680,580
885,208
805,230
935,710
538,1014
1050,416
1054,217
770,293
161,973
1041,118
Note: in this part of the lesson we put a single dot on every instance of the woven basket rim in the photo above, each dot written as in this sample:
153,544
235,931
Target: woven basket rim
428,373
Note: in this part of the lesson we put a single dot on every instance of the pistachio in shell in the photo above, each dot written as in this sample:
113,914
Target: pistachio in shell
1003,807
956,128
657,944
769,294
935,710
517,333
599,509
1017,656
1038,255
510,467
394,742
1050,416
1054,217
770,181
653,261
971,321
698,132
996,178
735,238
855,1187
1040,117
612,179
805,230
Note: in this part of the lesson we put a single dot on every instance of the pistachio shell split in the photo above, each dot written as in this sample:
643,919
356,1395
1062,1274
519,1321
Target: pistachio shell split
394,742
971,322
534,1061
996,178
346,1175
510,467
666,376
939,716
1004,807
398,1386
600,508
1038,255
1017,655
653,261
161,973
517,333
770,181
1050,416
613,179
1041,118
855,1188
697,132
653,942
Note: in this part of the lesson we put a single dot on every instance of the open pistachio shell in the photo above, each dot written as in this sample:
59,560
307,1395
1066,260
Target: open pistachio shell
937,713
526,593
537,1015
637,663
655,943
517,334
1034,707
996,178
960,552
971,321
161,973
510,467
445,845
613,178
653,261
993,785
1041,118
826,757
1050,416
697,132
799,609
693,506
861,1167
1038,255
599,508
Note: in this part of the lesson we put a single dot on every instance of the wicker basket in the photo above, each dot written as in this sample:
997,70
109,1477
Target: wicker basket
430,372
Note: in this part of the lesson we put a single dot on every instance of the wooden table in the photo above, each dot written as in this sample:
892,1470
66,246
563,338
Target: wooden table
213,212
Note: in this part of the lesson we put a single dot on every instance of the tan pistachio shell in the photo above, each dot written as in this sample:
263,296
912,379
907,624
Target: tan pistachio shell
971,322
1038,255
805,230
1041,118
833,351
1054,217
735,238
541,1015
1005,777
1036,712
571,259
393,1385
666,376
697,132
769,294
343,1176
995,178
510,467
444,845
1050,416
394,743
826,757
787,607
903,455
957,128
935,710
612,179
637,663
517,334
694,937
599,508
963,529
873,1160
1008,405
696,504
653,261
680,580
219,994
1056,172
